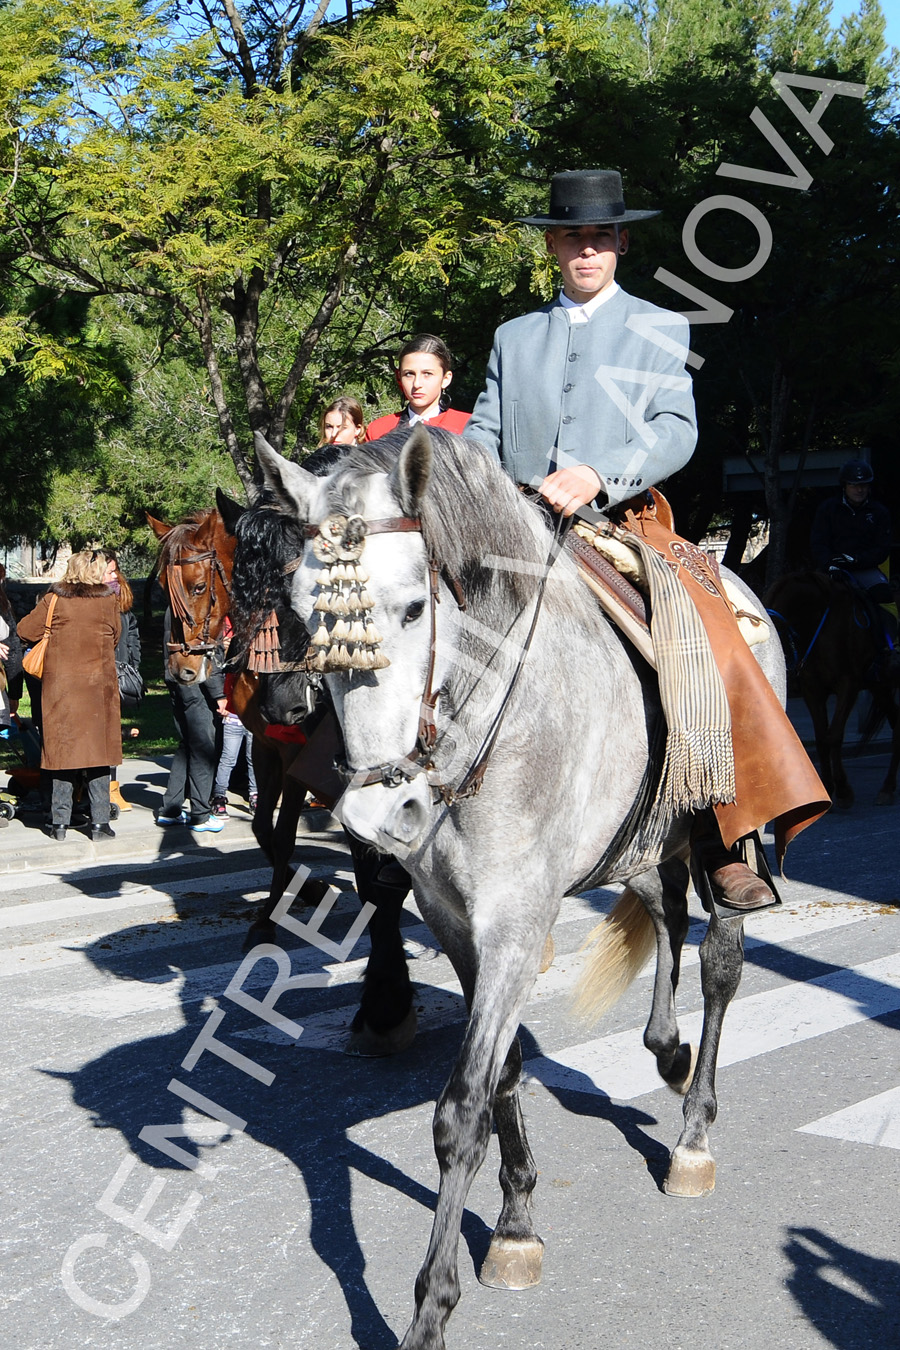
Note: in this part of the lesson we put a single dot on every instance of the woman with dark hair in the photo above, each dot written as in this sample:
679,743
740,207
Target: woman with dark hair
81,725
424,373
342,422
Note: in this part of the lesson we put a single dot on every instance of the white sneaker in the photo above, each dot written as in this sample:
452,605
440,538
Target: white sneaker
181,819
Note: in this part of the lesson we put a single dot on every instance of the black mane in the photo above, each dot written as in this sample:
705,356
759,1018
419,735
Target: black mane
471,513
267,540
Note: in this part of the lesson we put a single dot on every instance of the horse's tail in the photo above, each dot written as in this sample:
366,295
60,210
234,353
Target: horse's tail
620,947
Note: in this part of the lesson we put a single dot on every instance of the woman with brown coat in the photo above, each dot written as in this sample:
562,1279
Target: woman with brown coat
82,730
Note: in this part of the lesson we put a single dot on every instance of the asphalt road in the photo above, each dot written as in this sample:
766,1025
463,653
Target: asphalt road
302,1216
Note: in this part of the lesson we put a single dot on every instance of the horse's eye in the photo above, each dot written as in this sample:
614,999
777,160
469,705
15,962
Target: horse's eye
413,612
198,590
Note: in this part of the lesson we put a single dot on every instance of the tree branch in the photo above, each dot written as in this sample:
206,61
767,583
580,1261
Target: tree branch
226,424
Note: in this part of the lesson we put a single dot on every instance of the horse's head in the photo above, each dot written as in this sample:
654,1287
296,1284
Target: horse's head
194,569
270,640
363,586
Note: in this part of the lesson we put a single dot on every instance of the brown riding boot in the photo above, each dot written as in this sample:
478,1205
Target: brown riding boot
733,884
115,796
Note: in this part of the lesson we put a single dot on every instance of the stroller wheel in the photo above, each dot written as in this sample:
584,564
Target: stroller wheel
7,810
113,811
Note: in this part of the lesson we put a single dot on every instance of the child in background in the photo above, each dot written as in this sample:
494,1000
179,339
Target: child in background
424,373
234,735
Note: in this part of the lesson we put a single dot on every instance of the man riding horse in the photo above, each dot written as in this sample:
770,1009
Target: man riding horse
587,401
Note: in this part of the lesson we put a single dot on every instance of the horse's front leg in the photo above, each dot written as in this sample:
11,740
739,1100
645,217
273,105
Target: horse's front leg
462,1127
516,1252
385,1022
692,1169
663,892
836,780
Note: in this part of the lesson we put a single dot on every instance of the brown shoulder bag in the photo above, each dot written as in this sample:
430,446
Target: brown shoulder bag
33,662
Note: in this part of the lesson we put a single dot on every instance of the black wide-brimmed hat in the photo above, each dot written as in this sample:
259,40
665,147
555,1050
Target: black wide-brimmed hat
587,197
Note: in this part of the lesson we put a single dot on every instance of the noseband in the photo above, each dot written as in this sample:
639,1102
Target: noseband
180,601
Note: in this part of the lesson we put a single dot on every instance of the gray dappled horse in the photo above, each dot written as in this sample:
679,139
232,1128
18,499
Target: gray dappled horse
490,868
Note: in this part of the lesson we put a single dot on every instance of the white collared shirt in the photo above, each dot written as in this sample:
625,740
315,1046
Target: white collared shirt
581,313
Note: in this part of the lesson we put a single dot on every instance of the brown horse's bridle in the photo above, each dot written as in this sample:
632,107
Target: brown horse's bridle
180,601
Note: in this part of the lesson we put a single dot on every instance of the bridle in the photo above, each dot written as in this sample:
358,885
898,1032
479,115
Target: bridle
173,580
420,760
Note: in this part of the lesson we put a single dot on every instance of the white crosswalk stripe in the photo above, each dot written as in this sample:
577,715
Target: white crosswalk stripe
873,1121
614,1065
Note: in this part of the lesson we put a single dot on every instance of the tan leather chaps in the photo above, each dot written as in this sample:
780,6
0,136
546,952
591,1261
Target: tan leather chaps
774,777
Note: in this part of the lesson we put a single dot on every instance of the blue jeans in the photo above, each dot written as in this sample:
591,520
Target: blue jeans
234,735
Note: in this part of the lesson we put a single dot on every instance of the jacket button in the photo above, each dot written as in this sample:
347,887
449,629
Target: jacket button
567,388
573,356
567,420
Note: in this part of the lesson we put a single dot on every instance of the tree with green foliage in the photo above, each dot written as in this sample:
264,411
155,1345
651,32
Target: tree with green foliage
246,172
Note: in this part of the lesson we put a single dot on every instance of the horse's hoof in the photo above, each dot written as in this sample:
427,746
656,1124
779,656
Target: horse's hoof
259,932
683,1084
548,953
884,799
690,1175
369,1044
512,1263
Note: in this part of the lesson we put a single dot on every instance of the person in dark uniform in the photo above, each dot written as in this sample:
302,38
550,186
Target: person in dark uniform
852,533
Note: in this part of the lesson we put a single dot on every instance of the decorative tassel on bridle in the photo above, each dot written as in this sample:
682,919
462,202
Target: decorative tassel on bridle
265,648
346,638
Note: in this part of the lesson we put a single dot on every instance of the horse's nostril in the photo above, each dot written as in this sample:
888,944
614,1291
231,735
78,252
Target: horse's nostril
409,821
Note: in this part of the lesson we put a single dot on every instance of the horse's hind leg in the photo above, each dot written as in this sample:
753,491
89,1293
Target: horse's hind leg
515,1254
692,1169
663,892
889,786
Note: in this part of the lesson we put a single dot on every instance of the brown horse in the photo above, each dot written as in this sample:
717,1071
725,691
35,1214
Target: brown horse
195,564
830,635
194,567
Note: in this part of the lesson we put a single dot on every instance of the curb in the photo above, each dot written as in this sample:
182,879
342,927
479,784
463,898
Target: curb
25,848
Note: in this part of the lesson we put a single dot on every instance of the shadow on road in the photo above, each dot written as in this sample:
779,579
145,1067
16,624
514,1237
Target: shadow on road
851,1298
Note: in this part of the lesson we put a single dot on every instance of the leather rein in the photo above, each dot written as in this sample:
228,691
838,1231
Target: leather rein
180,601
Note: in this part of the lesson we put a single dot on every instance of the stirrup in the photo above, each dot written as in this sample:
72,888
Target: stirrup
750,851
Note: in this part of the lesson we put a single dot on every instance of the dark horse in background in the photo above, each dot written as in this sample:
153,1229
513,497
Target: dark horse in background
830,634
195,567
287,700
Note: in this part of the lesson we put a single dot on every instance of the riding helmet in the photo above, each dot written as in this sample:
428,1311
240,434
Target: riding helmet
856,471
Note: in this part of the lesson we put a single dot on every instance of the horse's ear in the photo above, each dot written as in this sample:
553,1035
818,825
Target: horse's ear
292,485
229,510
410,475
157,526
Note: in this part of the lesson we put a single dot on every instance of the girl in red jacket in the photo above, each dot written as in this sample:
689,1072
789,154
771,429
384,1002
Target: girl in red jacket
424,372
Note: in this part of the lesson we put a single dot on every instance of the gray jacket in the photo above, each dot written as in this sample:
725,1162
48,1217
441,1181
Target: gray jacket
612,393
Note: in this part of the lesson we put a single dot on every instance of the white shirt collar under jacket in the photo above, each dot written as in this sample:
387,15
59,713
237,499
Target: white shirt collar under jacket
581,313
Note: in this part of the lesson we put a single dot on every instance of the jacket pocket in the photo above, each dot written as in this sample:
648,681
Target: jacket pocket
513,425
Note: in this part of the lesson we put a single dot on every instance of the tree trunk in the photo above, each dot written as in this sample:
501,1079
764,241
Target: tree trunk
777,507
741,525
